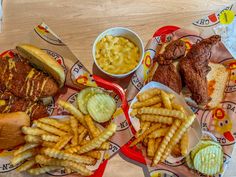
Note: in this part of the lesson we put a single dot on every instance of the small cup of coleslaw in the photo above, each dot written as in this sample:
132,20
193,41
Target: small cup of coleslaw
118,52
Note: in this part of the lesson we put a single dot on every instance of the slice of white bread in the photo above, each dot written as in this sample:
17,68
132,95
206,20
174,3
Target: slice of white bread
216,79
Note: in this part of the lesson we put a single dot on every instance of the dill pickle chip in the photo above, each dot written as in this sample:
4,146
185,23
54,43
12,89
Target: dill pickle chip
101,107
83,97
208,160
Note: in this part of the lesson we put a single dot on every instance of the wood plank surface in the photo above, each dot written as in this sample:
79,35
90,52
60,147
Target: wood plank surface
78,22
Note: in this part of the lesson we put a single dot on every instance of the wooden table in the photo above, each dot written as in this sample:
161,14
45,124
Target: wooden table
78,23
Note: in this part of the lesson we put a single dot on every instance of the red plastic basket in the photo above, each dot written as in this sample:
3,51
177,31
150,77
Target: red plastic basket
134,153
104,84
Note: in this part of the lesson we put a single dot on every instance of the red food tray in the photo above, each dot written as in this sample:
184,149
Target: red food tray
134,153
103,84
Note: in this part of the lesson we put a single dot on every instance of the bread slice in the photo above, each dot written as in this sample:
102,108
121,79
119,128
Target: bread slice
216,79
10,129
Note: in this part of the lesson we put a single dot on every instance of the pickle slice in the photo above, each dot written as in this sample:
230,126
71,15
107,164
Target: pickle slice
83,97
208,160
101,107
189,162
202,144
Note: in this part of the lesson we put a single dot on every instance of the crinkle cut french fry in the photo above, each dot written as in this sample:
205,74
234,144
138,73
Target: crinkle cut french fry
50,128
178,107
145,141
177,136
51,138
83,142
151,147
93,154
27,165
176,152
23,156
82,136
65,120
149,102
158,133
41,170
157,118
48,144
68,170
157,143
184,142
45,160
79,168
158,105
165,142
71,109
134,112
68,156
80,129
55,123
33,139
166,100
63,142
104,146
148,94
32,131
25,147
96,142
148,131
91,126
163,112
171,96
74,127
143,127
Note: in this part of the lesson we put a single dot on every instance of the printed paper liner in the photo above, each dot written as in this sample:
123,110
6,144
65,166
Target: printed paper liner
223,127
77,77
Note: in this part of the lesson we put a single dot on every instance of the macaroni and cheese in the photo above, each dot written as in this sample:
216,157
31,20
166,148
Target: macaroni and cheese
117,55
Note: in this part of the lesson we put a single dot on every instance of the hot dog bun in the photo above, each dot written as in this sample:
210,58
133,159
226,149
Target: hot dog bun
43,61
10,129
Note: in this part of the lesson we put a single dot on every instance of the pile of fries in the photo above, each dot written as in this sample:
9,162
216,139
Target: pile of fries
164,125
71,143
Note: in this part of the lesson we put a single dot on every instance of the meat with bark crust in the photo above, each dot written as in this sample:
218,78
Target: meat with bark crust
194,68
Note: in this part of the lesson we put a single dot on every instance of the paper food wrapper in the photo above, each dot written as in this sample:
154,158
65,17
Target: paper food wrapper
194,133
77,77
223,128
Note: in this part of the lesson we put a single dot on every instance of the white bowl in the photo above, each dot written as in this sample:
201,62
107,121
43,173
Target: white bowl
123,32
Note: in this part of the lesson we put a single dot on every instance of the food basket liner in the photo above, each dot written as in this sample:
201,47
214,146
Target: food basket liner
77,78
224,129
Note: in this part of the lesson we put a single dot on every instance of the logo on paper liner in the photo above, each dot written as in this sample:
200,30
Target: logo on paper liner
162,173
5,163
43,32
80,76
219,121
210,20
